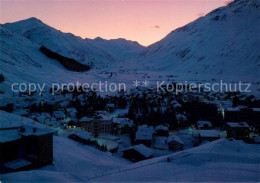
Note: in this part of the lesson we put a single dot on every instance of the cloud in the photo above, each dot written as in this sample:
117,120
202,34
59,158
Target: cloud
227,2
156,26
201,14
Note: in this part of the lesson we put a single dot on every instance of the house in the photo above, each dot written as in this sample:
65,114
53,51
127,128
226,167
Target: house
233,113
144,135
137,153
175,143
96,125
161,130
126,126
204,125
72,124
205,135
256,118
160,142
86,123
25,148
80,136
122,125
237,130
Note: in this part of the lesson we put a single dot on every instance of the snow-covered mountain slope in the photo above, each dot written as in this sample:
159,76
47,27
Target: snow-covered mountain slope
218,161
120,48
21,61
97,53
226,42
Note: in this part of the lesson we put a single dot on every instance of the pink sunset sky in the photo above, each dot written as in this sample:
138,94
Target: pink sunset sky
145,21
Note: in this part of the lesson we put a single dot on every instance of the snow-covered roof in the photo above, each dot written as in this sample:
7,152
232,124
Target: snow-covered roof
235,108
82,134
9,135
118,120
58,114
237,124
14,134
161,127
144,133
110,105
39,131
256,109
64,104
175,139
206,133
142,149
204,123
86,119
123,122
108,136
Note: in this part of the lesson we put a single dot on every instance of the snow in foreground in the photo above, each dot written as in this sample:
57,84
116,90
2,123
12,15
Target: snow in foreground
72,161
223,160
219,161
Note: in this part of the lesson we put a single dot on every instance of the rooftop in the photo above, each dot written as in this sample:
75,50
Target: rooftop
238,124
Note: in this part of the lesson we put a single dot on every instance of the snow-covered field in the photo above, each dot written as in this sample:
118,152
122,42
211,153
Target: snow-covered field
219,161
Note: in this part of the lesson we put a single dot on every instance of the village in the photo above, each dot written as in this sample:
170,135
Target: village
135,125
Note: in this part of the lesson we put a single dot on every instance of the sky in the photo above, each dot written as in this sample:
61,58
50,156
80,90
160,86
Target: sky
144,21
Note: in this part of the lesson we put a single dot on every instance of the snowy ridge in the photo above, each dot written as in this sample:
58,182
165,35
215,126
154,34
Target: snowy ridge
98,52
224,41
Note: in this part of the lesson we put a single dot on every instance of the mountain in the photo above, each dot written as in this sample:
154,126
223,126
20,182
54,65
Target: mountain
22,61
120,48
97,53
224,43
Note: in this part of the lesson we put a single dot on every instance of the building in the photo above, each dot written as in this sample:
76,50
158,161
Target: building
204,125
122,126
80,136
235,113
205,135
96,126
161,130
237,130
175,143
137,153
144,135
25,148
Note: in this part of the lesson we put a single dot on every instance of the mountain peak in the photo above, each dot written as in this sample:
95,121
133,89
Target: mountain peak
33,19
26,23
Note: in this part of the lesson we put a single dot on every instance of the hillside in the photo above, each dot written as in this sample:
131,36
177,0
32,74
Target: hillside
224,41
86,51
